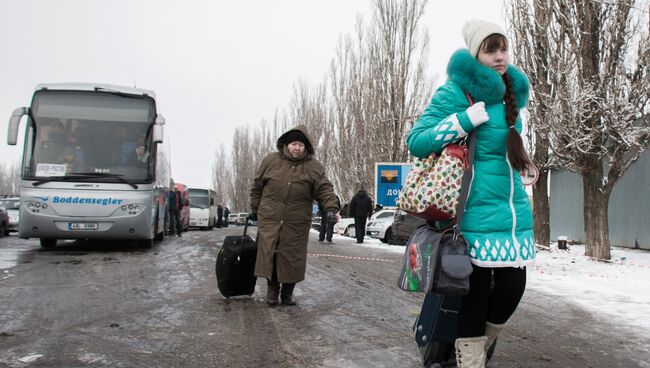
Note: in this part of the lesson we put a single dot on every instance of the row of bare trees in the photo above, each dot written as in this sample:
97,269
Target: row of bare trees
588,63
358,115
9,178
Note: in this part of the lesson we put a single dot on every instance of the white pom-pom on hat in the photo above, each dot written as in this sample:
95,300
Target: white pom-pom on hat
475,31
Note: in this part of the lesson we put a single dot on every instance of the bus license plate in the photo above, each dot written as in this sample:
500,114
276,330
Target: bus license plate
82,226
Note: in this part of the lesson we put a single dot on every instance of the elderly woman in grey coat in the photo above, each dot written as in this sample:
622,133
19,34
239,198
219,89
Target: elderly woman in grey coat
285,187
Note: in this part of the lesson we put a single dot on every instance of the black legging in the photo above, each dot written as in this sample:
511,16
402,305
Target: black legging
484,303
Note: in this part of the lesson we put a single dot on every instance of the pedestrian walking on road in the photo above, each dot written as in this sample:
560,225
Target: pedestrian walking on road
497,223
286,184
219,216
361,210
327,224
226,215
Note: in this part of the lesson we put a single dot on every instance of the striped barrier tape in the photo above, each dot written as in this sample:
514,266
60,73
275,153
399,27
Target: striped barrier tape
351,257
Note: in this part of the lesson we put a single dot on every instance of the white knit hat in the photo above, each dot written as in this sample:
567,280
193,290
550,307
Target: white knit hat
475,31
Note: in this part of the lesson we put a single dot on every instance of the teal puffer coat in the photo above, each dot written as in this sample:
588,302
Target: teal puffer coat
498,222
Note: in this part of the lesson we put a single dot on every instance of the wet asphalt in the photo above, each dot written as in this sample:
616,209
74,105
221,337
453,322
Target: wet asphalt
112,304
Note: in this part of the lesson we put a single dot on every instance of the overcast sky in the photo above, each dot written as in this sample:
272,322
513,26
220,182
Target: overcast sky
213,64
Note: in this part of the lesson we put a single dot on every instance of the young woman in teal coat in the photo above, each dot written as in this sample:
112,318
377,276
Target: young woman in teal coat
497,222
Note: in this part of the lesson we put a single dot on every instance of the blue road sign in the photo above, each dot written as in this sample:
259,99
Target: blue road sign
389,179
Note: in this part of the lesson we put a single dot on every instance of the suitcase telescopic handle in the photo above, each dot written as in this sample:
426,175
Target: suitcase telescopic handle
245,229
243,238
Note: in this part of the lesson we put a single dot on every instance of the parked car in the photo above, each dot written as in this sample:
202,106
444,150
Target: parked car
380,226
232,219
12,209
315,222
242,218
403,225
345,226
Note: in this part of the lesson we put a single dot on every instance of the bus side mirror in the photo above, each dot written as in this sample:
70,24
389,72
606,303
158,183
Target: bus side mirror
158,131
14,123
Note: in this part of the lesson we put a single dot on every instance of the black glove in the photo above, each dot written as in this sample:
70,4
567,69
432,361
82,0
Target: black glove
253,215
331,217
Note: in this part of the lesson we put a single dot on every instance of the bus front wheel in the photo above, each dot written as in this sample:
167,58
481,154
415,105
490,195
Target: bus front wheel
47,242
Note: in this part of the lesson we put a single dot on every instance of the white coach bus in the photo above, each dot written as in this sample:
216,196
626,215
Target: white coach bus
203,208
94,164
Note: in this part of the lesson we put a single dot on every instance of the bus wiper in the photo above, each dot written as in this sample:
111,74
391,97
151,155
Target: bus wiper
115,92
84,175
105,175
61,178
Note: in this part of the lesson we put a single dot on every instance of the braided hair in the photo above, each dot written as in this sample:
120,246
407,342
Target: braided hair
516,152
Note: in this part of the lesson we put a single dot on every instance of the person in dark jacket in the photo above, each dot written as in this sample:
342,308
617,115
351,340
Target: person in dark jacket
219,216
175,204
326,224
361,210
285,186
226,215
345,211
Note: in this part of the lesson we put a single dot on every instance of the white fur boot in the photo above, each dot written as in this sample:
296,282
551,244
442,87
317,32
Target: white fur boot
470,352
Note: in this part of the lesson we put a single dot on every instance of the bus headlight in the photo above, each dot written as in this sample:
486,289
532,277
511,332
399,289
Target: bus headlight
132,209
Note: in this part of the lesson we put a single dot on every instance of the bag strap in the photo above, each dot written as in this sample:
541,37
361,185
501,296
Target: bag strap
468,175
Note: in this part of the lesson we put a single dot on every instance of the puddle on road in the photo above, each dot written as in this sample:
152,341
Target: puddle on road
10,257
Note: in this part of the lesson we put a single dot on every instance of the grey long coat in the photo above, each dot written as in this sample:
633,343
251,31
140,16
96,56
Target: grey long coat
283,192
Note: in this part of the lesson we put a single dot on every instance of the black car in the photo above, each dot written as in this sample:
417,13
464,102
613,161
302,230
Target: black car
4,222
403,225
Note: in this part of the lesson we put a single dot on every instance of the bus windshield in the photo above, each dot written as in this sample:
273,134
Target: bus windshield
199,198
85,132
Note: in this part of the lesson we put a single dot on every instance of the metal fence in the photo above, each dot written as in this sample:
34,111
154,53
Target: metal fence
629,206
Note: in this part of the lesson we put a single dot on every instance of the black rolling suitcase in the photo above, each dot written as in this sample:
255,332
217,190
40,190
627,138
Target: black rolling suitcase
436,330
235,267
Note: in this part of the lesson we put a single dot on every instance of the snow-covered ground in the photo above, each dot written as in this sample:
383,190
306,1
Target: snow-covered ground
619,289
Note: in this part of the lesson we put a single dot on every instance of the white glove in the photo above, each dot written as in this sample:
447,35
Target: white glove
477,114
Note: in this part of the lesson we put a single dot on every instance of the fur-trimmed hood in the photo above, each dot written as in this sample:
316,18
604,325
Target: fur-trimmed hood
483,83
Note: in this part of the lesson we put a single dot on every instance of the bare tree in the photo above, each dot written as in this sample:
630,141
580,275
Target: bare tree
9,178
596,99
529,25
220,174
243,168
378,88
